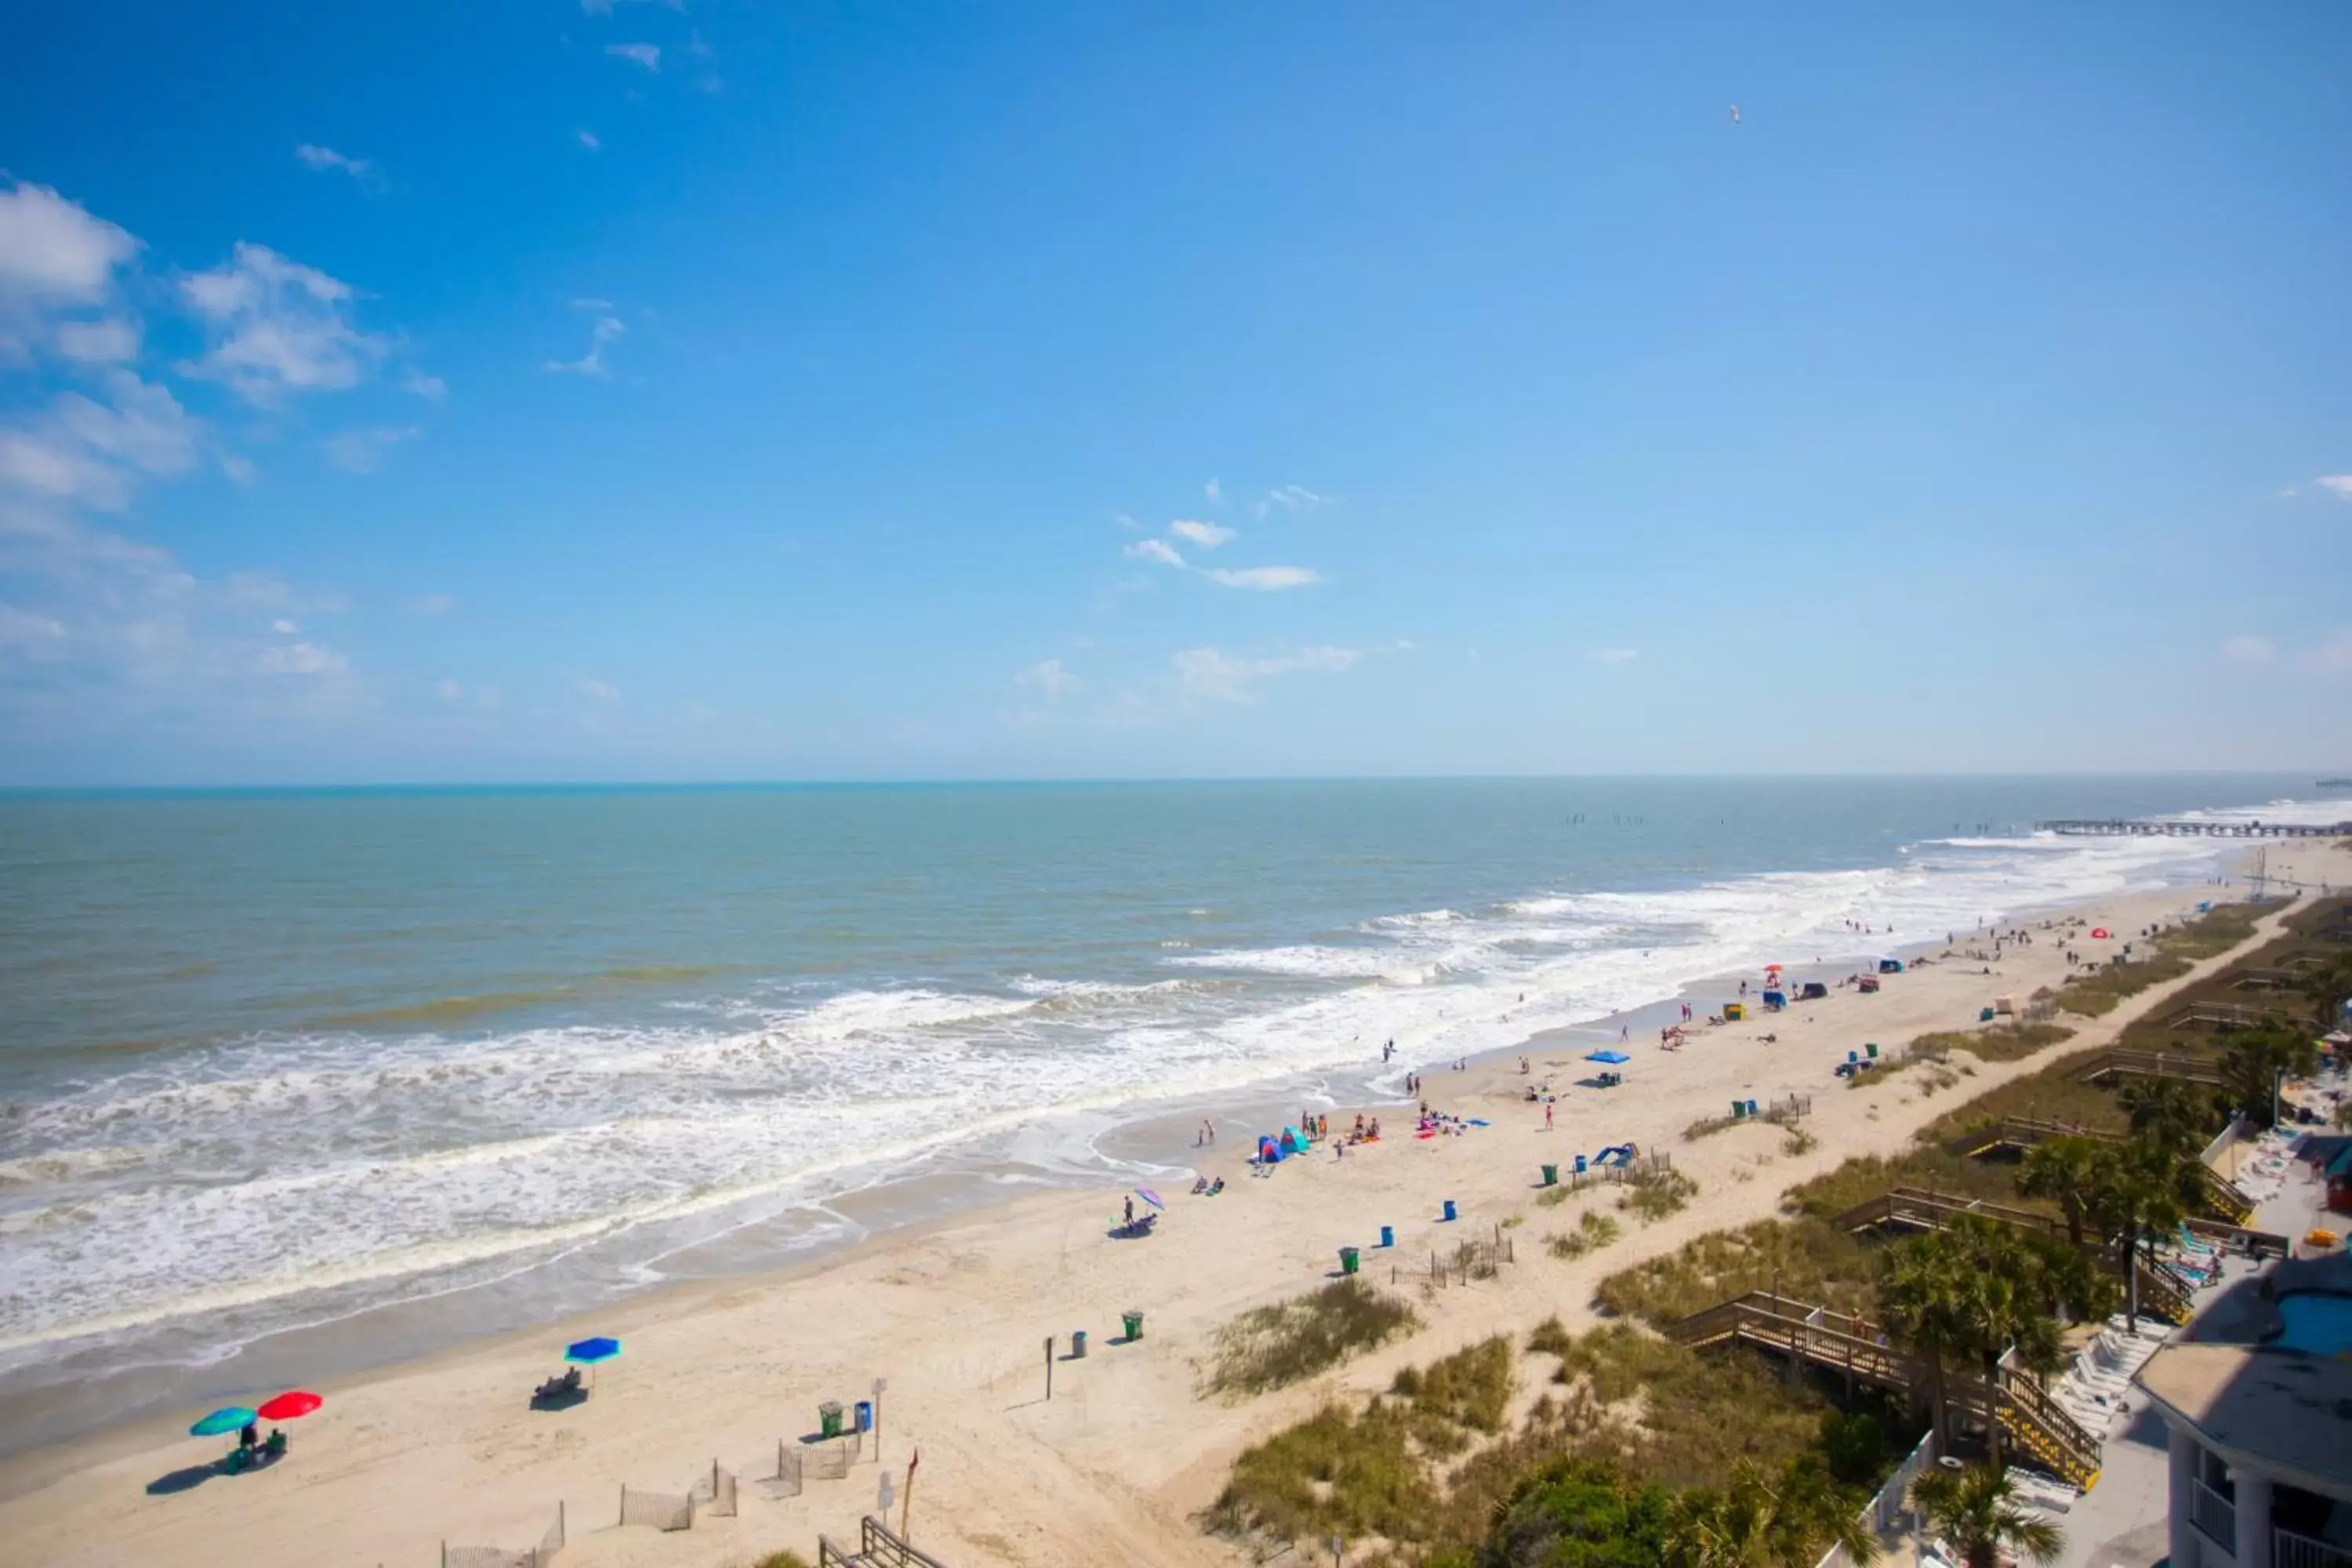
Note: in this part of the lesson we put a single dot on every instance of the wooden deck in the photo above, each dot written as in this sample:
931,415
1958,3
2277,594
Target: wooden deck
1859,1350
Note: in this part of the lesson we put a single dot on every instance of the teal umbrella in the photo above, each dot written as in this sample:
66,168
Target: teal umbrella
229,1419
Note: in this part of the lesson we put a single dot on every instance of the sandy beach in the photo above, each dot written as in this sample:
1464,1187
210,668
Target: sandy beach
954,1314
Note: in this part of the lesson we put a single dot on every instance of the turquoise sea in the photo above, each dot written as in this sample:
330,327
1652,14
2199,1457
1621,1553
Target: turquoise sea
274,1065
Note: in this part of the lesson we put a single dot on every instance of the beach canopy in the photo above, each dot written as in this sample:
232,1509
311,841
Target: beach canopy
589,1351
229,1419
294,1402
1610,1057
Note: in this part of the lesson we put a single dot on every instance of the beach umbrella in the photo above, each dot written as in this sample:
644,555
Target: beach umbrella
294,1402
1147,1195
588,1353
229,1419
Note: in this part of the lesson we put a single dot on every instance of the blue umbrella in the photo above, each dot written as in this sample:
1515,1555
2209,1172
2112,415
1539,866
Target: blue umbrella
229,1419
590,1352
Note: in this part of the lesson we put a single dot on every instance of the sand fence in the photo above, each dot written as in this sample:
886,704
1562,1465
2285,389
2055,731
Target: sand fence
537,1556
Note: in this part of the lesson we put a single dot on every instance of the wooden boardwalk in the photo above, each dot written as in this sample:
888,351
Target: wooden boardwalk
1859,1350
1909,1208
877,1548
2025,1131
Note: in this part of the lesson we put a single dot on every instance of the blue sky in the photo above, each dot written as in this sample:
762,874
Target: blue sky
720,390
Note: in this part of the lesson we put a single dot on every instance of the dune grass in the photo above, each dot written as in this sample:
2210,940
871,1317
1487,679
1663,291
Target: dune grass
1698,1414
1995,1042
1470,1388
1652,1196
1810,1261
1593,1231
1334,1473
1272,1347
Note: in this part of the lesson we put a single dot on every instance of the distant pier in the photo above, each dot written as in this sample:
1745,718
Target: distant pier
2109,827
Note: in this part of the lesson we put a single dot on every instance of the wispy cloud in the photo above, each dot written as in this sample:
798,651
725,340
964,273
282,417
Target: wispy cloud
1264,579
1291,498
423,386
590,139
2337,485
1158,550
1209,675
1215,493
2334,653
111,340
322,158
1207,535
1615,654
599,691
82,452
54,256
645,55
363,451
606,329
1048,678
432,604
277,326
2249,648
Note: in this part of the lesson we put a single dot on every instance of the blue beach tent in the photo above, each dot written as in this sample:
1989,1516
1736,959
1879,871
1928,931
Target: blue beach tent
1613,1057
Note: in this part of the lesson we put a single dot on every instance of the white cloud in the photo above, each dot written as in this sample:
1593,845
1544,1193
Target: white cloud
363,451
423,386
1207,535
606,329
1158,550
88,453
1265,579
698,46
2337,485
1049,679
285,628
451,691
1615,654
599,691
31,635
300,658
2249,650
1291,498
276,326
1211,675
2333,654
590,139
359,169
1215,493
53,251
238,469
433,603
645,55
108,341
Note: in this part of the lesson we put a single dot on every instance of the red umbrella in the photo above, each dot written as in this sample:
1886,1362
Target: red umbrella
289,1404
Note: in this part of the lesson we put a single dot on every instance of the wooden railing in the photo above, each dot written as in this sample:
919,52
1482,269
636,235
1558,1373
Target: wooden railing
877,1548
2158,1294
2127,1063
2027,1132
1842,1342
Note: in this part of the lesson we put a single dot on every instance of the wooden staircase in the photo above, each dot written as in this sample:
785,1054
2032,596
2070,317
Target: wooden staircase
877,1548
1858,1349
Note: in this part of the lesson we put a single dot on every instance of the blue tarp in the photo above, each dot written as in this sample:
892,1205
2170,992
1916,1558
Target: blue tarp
1610,1057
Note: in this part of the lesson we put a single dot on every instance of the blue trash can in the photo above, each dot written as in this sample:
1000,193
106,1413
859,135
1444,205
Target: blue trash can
865,1406
1449,1208
1388,1236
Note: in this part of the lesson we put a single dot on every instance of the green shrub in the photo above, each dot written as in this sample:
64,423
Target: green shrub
1332,1474
1654,1195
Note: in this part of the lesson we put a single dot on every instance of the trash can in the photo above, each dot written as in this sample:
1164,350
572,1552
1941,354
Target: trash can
1449,1208
1348,1258
1133,1323
1984,1015
828,1418
1551,1175
1737,1110
1388,1236
1872,1046
865,1406
1078,1347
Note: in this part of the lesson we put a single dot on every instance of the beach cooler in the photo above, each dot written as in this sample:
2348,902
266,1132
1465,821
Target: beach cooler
1734,1011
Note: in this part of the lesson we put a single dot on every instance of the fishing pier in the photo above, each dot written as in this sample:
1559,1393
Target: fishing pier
2111,827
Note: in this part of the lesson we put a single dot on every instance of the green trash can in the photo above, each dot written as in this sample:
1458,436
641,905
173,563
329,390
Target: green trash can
1873,1048
1347,1260
1133,1323
1078,1344
1551,1175
828,1417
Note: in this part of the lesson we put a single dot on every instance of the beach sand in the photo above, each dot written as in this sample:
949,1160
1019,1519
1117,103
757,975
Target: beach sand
955,1314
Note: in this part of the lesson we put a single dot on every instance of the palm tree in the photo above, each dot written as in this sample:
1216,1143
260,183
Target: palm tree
2018,1285
2257,1059
2063,1169
1975,1509
1788,1521
2135,1197
2329,989
1923,1290
2167,1111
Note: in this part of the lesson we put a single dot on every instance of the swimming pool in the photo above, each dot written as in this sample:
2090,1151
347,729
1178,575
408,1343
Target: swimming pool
2318,1322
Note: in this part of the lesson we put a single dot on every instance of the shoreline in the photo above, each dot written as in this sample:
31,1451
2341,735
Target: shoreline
1145,1141
944,1306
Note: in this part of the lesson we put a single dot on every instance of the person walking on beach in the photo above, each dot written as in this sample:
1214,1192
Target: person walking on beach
1547,1115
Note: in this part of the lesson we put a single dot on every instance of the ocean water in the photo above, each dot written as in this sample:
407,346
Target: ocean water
272,1061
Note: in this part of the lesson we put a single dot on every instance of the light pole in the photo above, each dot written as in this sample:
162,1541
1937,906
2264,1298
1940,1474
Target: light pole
880,1384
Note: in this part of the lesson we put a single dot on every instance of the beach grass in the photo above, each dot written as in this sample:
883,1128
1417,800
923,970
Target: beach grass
1652,1196
1272,1347
1697,1413
1470,1388
1995,1042
1592,1232
781,1560
1809,1261
1333,1474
